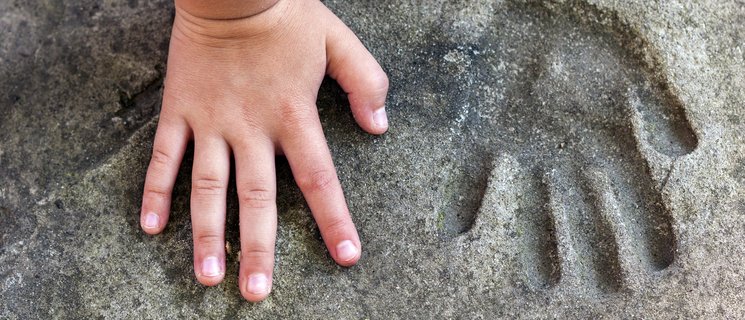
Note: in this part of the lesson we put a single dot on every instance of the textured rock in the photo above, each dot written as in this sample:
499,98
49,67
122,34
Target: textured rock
545,159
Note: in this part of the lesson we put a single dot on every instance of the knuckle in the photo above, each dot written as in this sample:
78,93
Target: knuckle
160,158
337,225
156,191
379,82
208,186
257,251
208,238
320,180
251,122
257,198
295,115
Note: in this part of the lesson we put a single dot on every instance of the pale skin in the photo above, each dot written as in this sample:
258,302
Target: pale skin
242,82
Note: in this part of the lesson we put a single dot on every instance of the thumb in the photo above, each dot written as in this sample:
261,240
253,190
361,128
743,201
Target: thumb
361,77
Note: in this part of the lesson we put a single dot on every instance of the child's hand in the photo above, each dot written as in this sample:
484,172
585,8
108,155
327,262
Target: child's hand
248,86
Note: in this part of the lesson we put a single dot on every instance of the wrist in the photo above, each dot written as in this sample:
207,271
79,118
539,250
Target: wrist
217,32
224,9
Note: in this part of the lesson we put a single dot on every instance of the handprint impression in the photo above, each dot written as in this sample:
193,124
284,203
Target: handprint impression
580,113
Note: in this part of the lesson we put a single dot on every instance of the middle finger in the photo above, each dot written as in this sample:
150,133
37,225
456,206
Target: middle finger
208,196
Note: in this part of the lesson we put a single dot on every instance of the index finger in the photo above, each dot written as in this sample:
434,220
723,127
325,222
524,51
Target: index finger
310,160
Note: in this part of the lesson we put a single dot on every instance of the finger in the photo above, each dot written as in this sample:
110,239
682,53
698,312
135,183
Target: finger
170,142
361,77
257,192
208,193
310,160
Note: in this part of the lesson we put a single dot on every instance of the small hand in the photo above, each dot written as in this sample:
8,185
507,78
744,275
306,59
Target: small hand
248,87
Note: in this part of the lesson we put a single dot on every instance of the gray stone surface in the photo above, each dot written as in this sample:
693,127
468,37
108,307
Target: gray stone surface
545,160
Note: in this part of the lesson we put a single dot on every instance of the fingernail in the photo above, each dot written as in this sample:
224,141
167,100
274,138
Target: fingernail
211,267
151,220
380,118
346,251
257,284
